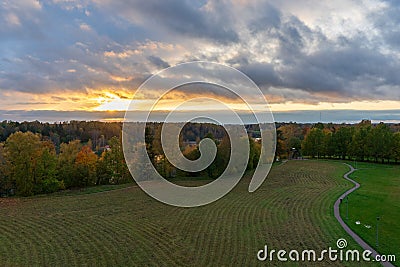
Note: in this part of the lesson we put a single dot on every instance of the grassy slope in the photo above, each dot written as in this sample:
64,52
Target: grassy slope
379,195
292,210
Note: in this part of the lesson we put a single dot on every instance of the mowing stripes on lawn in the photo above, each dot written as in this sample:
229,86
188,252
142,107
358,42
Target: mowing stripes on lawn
291,210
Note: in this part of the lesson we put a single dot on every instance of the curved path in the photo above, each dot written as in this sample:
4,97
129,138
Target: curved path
358,239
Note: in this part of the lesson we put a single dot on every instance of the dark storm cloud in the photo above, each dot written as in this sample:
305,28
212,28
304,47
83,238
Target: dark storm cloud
351,66
335,70
158,62
263,74
187,18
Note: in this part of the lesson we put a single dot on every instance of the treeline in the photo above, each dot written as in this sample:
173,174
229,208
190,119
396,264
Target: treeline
64,132
29,165
38,158
364,141
98,132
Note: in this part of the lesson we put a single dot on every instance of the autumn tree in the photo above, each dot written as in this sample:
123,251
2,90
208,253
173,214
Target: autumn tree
191,153
288,137
281,146
85,163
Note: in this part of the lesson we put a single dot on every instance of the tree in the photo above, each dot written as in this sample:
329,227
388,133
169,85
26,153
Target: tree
67,171
295,142
32,164
313,144
329,143
342,139
380,141
213,171
288,137
222,158
254,155
45,179
396,147
21,151
5,184
281,147
112,168
191,153
358,147
86,162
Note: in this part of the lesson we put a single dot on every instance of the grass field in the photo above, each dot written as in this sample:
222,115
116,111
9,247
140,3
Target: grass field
293,209
379,195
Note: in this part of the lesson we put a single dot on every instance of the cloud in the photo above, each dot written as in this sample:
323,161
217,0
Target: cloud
306,52
303,57
175,16
158,62
263,74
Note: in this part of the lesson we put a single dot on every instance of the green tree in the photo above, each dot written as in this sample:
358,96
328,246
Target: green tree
358,147
21,151
254,154
67,170
396,147
329,143
295,142
45,179
112,168
342,139
313,144
5,184
380,141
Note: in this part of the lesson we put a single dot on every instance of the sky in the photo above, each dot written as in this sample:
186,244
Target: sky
68,59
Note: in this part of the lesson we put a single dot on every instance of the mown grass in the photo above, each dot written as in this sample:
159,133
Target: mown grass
378,196
90,190
293,209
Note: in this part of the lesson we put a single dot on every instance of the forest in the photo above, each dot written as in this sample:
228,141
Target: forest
40,158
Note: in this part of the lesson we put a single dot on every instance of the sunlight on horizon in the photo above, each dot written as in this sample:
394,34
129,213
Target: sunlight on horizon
115,103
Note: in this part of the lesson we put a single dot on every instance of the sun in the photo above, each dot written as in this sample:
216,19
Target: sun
111,102
114,105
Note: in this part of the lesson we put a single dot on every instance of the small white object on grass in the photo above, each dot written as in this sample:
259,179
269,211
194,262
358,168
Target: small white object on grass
358,222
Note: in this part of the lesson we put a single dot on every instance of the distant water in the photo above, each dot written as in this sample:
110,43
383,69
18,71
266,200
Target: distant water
308,116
